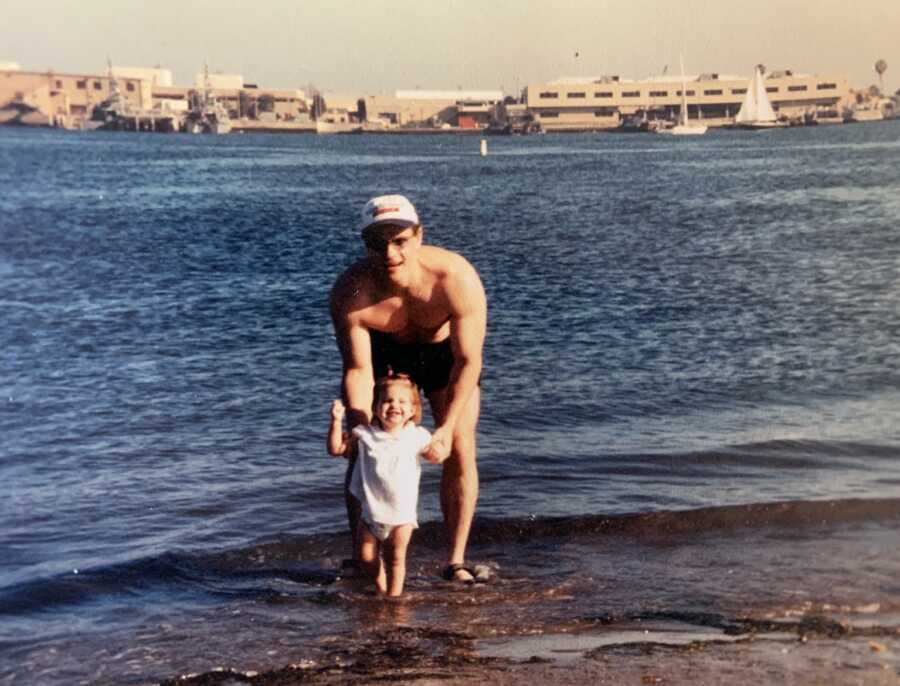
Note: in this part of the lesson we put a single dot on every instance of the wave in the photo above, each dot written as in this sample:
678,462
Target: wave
794,514
313,561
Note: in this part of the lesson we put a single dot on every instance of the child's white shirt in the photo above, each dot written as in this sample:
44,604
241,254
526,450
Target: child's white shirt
387,472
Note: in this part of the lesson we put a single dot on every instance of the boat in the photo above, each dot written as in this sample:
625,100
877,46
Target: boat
865,114
756,112
512,120
643,121
208,115
684,127
116,113
823,115
337,120
323,126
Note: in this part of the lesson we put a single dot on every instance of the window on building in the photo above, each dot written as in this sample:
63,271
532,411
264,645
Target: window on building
796,88
605,112
548,95
688,93
575,95
81,84
738,91
549,115
772,89
97,85
631,94
659,94
713,91
58,83
129,87
826,86
603,94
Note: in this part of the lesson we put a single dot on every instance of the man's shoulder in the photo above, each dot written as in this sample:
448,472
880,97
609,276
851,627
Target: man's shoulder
448,264
352,285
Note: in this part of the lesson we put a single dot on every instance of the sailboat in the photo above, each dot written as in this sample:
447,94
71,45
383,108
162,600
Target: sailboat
683,128
756,111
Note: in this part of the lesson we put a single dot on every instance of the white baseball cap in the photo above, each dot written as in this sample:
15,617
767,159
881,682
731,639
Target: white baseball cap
388,209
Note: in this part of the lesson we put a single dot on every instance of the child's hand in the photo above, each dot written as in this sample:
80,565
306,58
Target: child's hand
337,410
438,449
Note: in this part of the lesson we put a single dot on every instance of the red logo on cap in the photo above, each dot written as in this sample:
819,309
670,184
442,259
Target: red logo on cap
384,210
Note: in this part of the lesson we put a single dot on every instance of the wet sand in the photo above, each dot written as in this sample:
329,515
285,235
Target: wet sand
807,652
796,604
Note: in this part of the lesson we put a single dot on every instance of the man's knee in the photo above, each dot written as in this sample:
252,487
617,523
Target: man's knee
462,455
461,465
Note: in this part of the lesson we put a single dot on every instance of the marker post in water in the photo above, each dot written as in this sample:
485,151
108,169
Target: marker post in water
483,147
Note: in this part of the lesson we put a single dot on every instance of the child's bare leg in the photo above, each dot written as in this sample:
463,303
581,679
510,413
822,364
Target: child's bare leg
369,555
395,558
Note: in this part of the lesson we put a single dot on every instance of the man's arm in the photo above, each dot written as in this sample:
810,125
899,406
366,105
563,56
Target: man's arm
355,346
468,325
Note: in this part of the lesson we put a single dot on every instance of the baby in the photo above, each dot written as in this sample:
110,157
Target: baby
385,477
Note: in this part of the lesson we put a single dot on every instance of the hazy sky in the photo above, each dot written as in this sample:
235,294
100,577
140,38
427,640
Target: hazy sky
357,46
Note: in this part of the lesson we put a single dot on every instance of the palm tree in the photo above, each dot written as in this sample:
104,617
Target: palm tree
881,67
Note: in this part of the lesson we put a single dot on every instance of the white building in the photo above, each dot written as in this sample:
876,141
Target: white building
220,81
156,76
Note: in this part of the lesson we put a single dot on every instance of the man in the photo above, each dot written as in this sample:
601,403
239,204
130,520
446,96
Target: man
420,310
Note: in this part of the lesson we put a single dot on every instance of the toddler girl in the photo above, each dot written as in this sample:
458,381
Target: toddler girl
385,478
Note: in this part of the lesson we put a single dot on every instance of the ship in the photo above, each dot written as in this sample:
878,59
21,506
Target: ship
207,115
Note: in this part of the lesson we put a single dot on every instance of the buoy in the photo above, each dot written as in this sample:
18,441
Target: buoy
483,147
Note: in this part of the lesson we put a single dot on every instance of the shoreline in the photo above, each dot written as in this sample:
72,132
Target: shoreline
406,655
295,129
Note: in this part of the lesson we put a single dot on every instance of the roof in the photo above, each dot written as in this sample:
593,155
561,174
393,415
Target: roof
452,96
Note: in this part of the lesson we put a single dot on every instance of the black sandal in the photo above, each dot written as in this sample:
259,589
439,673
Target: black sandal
479,573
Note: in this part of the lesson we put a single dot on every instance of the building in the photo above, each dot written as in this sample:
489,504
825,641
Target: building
465,109
219,81
247,102
577,104
157,76
67,99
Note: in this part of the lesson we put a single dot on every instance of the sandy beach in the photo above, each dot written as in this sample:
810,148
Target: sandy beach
805,654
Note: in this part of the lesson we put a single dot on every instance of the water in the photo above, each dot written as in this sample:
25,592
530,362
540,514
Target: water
691,403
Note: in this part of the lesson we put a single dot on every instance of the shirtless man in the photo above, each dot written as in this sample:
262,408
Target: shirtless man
420,310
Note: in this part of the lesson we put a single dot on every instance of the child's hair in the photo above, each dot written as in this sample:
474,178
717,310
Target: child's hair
382,384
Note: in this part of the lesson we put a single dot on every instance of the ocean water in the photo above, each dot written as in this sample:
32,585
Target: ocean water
691,394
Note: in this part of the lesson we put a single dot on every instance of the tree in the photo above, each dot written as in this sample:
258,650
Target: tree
246,105
266,103
318,105
880,68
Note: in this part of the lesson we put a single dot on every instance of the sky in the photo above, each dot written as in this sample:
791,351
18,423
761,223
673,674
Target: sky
377,46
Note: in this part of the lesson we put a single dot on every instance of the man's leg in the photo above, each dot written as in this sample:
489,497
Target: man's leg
459,481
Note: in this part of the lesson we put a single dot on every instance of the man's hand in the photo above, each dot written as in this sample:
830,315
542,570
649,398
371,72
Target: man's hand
337,410
439,449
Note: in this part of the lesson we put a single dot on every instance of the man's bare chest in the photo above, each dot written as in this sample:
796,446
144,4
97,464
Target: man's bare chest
409,318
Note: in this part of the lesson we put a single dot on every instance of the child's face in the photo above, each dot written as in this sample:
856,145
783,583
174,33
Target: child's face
395,406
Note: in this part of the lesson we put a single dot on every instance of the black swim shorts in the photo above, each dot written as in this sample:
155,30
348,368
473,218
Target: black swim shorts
428,364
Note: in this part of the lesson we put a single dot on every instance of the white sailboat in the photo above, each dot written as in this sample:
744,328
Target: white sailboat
683,127
756,111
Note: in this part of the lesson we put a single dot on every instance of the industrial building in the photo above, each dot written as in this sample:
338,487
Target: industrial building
603,102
